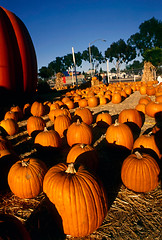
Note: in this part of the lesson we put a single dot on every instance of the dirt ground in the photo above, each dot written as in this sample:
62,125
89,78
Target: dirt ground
130,216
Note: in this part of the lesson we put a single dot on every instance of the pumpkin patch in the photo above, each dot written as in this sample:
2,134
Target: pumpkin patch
93,171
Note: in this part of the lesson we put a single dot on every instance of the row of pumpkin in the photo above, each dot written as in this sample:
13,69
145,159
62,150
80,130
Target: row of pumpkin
76,192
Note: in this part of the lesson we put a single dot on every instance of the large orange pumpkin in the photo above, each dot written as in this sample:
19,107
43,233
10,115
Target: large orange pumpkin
146,141
10,126
48,138
79,198
37,109
103,119
85,114
35,125
25,177
17,55
152,108
120,134
79,132
140,172
61,124
130,115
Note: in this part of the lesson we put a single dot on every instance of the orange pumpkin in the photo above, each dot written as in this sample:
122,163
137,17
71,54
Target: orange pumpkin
158,99
48,138
146,141
18,110
85,115
103,119
54,106
10,126
130,115
11,115
150,90
37,109
102,100
61,124
142,90
140,172
140,107
70,104
78,195
120,134
116,97
153,108
93,101
25,177
144,100
83,103
35,125
79,132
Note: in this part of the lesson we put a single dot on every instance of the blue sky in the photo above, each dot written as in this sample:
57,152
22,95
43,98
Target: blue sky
57,26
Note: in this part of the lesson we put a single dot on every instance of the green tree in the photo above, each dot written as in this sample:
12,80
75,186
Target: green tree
154,56
68,61
44,72
78,59
120,52
57,65
136,67
96,56
148,37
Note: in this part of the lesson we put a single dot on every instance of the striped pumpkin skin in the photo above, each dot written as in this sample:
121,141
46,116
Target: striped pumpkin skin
17,55
79,133
25,177
120,134
140,172
79,199
61,124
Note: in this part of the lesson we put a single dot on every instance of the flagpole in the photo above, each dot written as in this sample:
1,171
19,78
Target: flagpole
75,66
108,71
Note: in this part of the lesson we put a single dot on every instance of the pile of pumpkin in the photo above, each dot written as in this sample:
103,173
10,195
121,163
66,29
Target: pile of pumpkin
74,187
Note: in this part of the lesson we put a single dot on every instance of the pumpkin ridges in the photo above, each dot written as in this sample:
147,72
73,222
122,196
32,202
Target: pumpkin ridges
23,181
137,173
79,133
115,132
61,124
23,65
80,196
48,138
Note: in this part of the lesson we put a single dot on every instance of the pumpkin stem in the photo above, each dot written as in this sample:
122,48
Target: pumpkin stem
78,122
116,123
45,129
138,155
70,168
82,145
25,163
